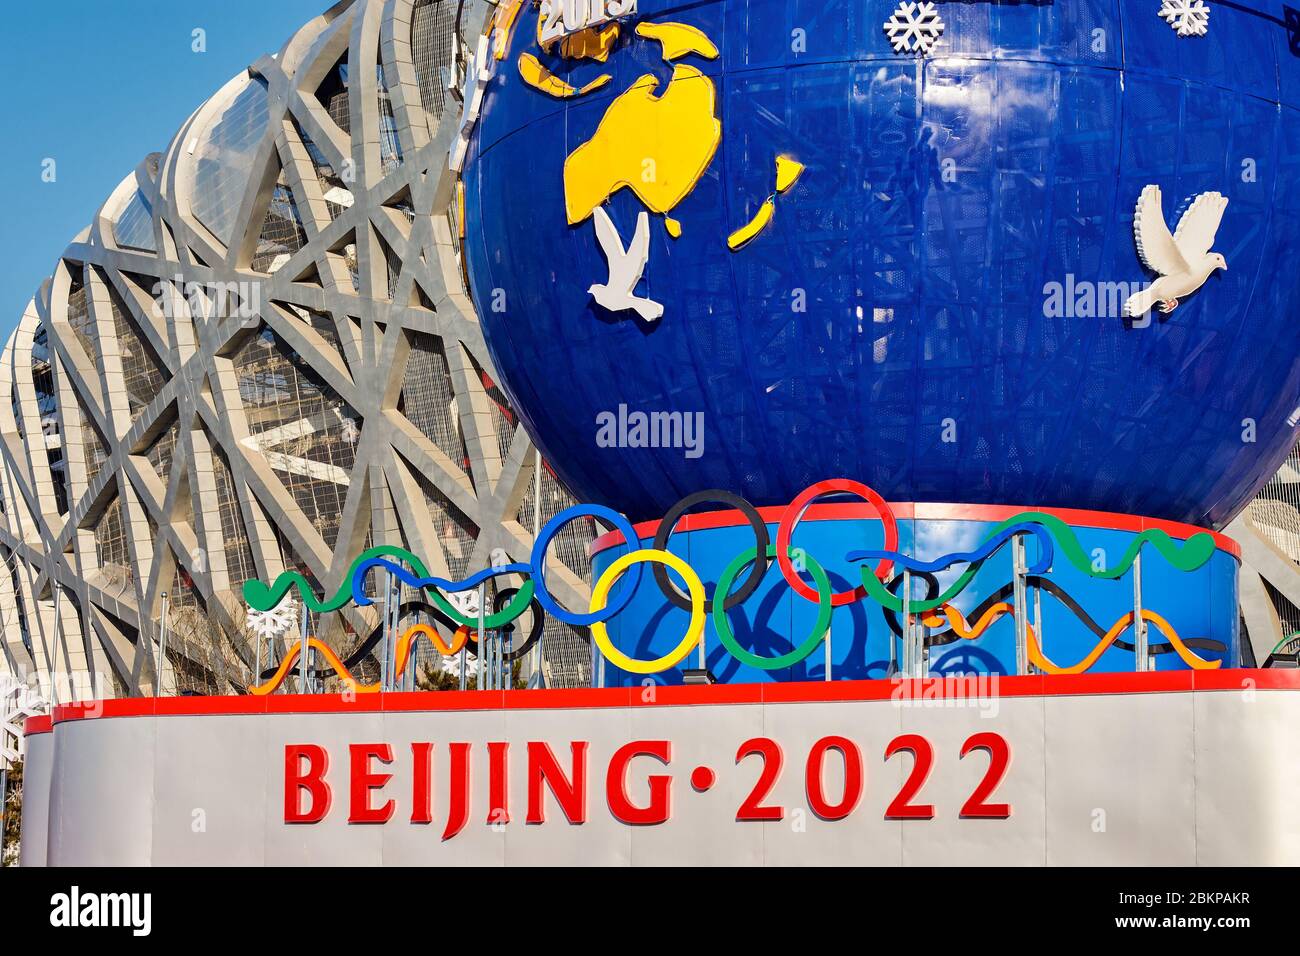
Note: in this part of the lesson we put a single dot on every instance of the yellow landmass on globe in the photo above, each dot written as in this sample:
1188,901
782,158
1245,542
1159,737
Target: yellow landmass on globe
590,44
752,228
540,78
788,170
678,40
657,146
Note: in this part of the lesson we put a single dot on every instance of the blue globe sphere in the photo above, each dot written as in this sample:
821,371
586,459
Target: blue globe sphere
934,306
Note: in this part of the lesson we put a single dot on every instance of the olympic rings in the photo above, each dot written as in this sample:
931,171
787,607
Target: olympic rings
669,524
549,531
728,637
1055,537
794,513
694,631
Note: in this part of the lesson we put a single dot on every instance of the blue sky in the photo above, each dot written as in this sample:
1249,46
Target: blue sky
98,85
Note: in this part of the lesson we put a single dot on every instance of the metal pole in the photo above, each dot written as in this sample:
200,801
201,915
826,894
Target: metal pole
538,677
1038,621
827,644
257,658
482,634
509,639
1021,608
907,623
922,652
383,637
390,632
302,653
58,638
1140,652
162,645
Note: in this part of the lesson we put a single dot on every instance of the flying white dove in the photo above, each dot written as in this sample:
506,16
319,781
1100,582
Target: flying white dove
626,266
1184,259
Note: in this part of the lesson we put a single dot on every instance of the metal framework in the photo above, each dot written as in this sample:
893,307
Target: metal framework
260,356
1269,534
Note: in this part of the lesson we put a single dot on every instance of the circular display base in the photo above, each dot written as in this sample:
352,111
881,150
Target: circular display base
1078,592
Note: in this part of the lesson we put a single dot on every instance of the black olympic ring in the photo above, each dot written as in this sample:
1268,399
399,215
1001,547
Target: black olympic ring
931,592
503,598
669,522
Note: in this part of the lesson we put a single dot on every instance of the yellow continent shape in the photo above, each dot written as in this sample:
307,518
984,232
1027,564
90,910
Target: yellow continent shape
678,39
657,146
592,43
540,78
788,171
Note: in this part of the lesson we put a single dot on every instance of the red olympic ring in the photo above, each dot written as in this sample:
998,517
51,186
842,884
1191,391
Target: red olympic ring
793,514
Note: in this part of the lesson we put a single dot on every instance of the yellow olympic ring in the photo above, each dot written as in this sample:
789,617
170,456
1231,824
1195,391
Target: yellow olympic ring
694,632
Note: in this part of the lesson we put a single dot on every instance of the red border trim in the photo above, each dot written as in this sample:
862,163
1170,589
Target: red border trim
907,511
932,688
37,725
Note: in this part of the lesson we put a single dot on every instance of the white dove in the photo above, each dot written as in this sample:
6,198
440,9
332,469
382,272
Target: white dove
626,266
1183,260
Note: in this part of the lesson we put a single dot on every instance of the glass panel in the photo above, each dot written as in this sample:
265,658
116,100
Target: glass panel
337,195
282,232
432,22
79,314
141,371
223,160
390,148
300,425
134,228
239,556
161,451
333,95
428,400
48,405
111,549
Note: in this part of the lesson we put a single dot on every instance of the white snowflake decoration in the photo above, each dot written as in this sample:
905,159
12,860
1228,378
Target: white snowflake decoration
915,27
279,620
1190,18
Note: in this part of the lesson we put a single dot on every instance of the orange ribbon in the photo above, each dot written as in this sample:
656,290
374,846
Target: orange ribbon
957,621
345,676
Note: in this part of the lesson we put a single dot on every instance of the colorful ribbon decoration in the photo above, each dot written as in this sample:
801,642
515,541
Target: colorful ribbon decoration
345,676
1053,534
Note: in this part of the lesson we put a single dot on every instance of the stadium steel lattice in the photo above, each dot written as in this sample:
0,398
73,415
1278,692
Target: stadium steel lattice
260,356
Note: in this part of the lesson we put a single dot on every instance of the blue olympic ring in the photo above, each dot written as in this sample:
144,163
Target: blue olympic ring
626,587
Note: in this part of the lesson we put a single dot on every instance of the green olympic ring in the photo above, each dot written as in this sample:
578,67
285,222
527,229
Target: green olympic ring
728,637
